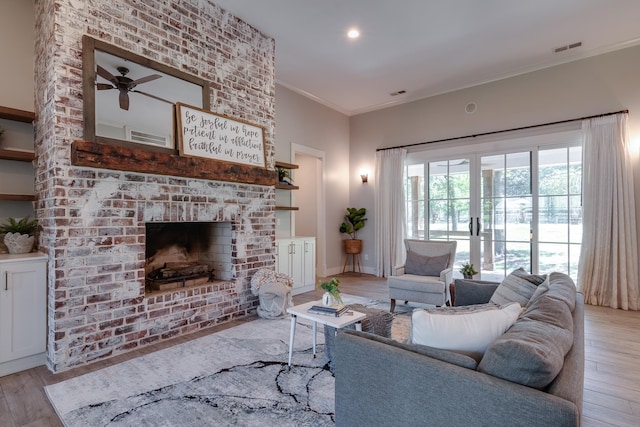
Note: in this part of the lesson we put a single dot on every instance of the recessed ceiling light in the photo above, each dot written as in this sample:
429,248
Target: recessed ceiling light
353,33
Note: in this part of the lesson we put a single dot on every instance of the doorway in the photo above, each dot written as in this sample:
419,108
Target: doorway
309,219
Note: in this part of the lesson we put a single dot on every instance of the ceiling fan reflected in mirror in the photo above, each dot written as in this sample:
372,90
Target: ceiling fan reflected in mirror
125,85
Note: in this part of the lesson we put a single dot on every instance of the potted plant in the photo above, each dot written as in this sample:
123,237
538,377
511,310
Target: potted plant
20,235
468,271
331,291
355,220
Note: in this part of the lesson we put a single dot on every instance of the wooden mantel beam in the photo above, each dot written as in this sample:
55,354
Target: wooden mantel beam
115,157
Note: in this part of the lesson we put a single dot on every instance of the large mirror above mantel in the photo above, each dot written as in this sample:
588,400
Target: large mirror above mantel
130,99
129,118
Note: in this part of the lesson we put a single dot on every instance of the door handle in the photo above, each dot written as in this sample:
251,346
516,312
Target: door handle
471,227
477,226
6,280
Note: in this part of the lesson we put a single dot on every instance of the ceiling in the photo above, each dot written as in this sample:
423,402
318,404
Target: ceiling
427,47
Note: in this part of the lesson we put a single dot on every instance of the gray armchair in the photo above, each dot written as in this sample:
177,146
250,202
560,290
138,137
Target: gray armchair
426,275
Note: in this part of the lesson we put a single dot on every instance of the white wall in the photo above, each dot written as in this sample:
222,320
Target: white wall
16,50
601,84
302,121
16,91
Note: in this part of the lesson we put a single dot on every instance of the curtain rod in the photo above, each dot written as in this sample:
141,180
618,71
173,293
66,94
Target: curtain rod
504,130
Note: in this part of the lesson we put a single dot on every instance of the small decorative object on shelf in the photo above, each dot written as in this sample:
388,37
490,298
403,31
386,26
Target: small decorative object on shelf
468,271
20,235
331,292
284,176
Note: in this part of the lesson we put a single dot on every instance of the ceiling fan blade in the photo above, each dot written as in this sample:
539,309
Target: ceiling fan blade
152,96
146,79
103,86
124,100
107,75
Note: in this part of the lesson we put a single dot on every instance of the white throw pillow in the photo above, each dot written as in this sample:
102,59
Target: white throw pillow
468,333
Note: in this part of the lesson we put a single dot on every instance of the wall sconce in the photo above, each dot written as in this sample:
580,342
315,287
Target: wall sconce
364,175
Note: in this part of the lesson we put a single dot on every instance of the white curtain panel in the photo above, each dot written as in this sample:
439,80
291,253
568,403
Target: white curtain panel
608,269
389,210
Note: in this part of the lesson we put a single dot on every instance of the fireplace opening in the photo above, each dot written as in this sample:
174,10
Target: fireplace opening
182,254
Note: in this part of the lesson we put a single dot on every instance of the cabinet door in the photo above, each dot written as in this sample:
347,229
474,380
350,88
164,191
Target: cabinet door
297,262
309,262
22,309
282,256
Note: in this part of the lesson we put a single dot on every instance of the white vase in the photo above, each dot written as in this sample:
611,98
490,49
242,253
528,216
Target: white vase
327,299
19,243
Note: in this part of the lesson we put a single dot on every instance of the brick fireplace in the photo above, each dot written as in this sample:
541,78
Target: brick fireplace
96,221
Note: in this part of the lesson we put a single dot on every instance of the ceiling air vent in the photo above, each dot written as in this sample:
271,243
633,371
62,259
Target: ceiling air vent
567,47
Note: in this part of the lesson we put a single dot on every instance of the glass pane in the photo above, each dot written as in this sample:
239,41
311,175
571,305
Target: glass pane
574,259
517,255
492,176
518,174
575,170
459,179
437,218
438,182
553,223
516,229
553,257
575,219
553,172
463,253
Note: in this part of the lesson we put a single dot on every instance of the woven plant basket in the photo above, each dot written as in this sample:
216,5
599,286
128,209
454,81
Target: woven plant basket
353,246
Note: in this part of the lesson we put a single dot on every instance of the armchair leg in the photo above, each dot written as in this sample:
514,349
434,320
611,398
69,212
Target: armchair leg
393,305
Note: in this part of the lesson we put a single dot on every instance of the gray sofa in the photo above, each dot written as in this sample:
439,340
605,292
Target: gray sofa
382,382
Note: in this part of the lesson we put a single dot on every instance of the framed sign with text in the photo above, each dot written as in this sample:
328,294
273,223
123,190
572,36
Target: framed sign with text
202,133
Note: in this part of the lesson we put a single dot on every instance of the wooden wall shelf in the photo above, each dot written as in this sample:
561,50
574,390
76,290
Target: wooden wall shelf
286,208
287,187
17,115
17,197
286,165
20,156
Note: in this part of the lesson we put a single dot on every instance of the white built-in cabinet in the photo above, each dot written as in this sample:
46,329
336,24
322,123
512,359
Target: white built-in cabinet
296,257
23,311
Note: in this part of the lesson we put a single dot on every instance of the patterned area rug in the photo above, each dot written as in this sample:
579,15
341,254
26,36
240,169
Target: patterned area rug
238,376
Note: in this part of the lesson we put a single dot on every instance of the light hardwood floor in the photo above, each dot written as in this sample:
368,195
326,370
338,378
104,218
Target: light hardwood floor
612,372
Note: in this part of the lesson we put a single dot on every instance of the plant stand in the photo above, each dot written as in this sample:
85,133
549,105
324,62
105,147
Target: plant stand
355,261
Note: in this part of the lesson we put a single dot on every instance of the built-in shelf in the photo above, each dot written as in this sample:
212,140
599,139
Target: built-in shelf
287,187
17,115
18,197
286,165
20,156
23,116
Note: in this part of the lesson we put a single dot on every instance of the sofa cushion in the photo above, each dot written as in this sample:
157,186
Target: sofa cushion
518,287
436,353
468,330
423,265
532,351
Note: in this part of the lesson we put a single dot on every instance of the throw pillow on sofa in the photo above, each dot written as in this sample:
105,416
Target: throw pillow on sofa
468,330
532,351
423,265
518,287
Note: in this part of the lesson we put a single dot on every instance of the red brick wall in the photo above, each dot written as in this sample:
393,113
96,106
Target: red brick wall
93,220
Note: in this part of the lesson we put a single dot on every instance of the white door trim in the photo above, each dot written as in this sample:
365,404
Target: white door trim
320,194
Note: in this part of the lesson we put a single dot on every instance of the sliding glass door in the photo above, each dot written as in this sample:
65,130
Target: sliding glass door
505,209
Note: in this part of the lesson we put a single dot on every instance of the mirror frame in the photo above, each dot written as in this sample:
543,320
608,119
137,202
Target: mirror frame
115,154
89,46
